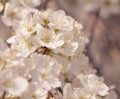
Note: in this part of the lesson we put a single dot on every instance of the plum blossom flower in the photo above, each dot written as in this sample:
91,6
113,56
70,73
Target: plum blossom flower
17,10
30,3
13,12
68,92
43,32
12,83
94,84
46,53
45,72
48,38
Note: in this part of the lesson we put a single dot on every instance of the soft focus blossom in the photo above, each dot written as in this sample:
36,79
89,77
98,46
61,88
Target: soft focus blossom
38,33
12,83
16,9
105,8
45,71
13,12
31,3
109,7
1,7
45,57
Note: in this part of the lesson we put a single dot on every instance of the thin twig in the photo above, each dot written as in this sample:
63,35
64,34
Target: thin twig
3,95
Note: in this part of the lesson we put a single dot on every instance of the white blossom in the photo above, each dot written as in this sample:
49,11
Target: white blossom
94,84
105,8
46,53
41,34
12,83
30,3
14,12
45,71
68,92
1,7
109,7
48,38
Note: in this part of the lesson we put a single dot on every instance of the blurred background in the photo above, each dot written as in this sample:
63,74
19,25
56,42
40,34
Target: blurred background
103,31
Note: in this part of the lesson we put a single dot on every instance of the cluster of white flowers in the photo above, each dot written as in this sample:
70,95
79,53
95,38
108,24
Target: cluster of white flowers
16,9
45,60
105,7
